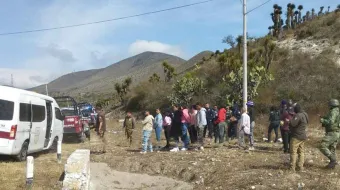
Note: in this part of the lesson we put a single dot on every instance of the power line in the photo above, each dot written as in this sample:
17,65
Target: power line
102,21
258,6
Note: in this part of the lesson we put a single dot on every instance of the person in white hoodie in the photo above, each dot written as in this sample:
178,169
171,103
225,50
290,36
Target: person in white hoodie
201,123
147,129
245,129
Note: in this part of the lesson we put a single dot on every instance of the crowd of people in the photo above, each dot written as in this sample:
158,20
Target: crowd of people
199,124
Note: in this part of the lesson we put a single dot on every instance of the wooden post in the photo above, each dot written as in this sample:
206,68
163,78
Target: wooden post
59,152
29,171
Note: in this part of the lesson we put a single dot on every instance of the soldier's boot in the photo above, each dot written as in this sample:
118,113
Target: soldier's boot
332,164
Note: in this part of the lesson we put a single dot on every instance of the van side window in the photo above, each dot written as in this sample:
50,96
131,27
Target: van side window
6,110
58,114
38,113
25,112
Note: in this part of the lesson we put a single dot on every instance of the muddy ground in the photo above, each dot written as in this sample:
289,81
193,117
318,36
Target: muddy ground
227,167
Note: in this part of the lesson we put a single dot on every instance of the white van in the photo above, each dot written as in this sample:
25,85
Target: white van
29,122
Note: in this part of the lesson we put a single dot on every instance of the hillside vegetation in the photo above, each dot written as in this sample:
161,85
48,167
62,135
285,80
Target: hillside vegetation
276,72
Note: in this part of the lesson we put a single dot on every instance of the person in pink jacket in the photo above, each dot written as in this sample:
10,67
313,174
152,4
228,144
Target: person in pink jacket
193,124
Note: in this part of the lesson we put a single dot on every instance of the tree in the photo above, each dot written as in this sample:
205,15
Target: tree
328,9
288,23
292,13
276,18
308,15
126,84
239,41
169,71
123,89
321,11
185,89
269,48
337,8
313,13
154,78
229,40
296,13
300,7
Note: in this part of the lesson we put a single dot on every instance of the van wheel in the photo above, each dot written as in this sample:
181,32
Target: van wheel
23,152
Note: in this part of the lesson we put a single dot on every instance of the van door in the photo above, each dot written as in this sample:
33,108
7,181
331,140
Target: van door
39,123
49,129
25,122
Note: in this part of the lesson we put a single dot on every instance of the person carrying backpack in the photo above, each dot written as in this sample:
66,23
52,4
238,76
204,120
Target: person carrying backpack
274,123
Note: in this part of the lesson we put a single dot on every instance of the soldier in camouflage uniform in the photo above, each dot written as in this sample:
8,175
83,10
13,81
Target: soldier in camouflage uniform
331,124
129,125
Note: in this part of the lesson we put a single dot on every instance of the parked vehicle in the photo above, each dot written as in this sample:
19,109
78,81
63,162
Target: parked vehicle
29,122
88,112
75,125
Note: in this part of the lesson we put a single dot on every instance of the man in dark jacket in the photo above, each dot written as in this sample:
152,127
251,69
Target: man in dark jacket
298,127
210,114
274,123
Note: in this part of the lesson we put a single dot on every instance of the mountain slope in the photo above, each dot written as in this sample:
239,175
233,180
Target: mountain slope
66,81
191,62
139,67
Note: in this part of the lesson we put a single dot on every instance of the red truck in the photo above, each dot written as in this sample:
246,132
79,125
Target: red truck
75,124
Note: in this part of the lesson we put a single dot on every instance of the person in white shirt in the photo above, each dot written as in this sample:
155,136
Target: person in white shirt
245,129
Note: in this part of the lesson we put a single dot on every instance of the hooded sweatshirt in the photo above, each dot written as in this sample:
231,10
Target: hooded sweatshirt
245,123
201,117
221,116
148,123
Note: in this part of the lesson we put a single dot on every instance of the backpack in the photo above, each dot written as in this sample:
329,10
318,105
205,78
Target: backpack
275,116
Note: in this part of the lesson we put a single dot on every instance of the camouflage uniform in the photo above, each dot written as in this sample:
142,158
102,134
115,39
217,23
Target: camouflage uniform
330,140
129,125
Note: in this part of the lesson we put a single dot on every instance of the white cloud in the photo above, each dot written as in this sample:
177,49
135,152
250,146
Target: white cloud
141,46
23,78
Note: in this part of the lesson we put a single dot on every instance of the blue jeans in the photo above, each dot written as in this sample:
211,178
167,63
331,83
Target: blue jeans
146,140
184,136
158,131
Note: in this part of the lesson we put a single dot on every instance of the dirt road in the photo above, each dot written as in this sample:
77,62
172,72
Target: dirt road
103,177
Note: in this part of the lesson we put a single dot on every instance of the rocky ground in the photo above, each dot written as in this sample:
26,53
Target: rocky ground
312,47
226,167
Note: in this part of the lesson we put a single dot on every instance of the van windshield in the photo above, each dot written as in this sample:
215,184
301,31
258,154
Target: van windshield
68,112
6,110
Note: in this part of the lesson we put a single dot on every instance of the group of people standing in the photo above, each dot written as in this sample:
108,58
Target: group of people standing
293,121
194,125
202,123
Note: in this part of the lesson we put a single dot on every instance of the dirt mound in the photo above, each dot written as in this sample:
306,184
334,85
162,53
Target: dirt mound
102,177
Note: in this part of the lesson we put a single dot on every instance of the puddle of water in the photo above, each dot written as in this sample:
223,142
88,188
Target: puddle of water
103,177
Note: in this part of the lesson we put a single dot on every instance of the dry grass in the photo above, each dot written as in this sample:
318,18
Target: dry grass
47,171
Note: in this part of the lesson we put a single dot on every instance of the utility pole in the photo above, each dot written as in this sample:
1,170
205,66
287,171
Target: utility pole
46,89
245,72
12,82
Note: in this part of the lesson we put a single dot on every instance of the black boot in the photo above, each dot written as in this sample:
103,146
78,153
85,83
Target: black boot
331,164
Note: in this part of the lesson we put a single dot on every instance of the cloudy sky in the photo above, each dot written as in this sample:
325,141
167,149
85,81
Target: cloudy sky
37,58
